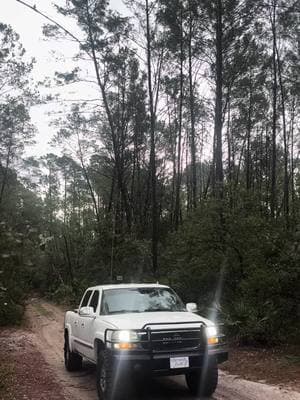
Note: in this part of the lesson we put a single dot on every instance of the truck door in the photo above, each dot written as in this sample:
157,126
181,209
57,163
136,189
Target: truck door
87,327
77,328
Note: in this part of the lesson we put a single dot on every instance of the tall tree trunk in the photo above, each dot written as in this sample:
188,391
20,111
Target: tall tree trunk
5,171
192,114
88,181
133,192
218,176
268,168
285,142
261,172
292,166
178,180
112,191
273,199
229,155
249,128
152,149
172,138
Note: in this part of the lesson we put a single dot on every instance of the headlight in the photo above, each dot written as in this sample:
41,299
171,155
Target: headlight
212,335
211,331
124,336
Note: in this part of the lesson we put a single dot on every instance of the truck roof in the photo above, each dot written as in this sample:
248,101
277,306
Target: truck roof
128,286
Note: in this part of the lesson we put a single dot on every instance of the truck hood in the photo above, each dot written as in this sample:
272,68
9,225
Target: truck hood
139,320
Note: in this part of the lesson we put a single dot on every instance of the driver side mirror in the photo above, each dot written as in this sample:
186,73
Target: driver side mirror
192,307
86,312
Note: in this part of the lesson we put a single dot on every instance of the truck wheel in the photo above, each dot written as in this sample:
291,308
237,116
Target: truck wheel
203,382
104,376
73,361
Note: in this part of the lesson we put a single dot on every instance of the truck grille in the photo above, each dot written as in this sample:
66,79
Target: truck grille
172,340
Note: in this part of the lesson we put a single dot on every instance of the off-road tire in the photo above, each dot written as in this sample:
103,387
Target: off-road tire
105,376
73,361
203,382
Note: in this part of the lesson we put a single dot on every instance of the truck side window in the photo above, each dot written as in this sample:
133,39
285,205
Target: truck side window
86,298
94,300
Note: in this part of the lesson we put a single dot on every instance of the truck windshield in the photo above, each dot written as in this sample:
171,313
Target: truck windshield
137,300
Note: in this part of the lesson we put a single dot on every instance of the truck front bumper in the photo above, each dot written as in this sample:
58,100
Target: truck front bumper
158,364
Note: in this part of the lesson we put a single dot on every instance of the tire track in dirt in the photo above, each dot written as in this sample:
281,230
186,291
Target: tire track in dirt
46,322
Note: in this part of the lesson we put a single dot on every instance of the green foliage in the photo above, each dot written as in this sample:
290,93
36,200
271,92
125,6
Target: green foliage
10,312
64,294
243,265
249,324
133,260
19,250
20,256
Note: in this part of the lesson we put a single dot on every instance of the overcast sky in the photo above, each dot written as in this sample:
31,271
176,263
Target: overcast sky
50,56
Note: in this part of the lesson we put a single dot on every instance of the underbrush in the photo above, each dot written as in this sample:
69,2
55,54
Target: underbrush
66,295
11,313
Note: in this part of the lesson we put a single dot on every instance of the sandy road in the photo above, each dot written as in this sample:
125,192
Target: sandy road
46,322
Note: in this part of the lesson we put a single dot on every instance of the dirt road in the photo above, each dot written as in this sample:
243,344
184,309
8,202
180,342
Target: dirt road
46,322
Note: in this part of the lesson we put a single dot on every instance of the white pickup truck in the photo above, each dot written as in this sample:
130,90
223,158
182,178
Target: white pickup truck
142,330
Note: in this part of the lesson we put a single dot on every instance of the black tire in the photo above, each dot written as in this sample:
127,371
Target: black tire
203,382
105,377
73,361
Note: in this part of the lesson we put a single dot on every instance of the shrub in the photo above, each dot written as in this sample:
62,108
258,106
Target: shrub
10,312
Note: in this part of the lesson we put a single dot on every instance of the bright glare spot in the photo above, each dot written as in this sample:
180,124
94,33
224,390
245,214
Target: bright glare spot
124,336
211,331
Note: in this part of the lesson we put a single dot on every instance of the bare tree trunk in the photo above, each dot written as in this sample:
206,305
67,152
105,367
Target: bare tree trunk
172,139
261,161
218,124
230,150
268,168
88,181
292,166
249,127
112,190
273,200
152,150
192,112
5,172
178,180
65,195
286,206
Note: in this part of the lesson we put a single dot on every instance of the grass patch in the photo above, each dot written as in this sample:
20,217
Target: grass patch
41,310
292,359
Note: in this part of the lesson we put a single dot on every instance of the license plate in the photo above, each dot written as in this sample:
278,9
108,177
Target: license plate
179,362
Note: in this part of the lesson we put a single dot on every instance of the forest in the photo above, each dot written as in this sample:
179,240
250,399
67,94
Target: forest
184,169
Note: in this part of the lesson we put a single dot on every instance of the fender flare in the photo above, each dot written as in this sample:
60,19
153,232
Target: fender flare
68,329
99,338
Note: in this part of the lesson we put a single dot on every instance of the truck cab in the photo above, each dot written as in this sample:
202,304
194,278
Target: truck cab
142,330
